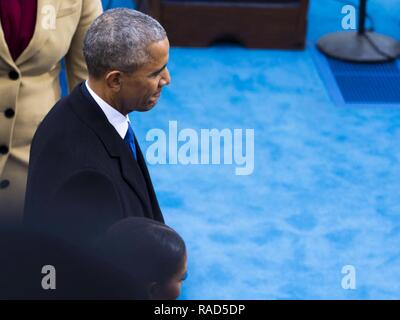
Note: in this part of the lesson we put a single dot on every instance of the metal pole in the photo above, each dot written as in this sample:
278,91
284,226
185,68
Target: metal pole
362,16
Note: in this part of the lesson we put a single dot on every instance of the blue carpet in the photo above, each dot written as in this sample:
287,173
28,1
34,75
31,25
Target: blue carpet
325,188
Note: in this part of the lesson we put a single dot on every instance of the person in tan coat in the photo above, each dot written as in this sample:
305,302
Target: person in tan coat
35,35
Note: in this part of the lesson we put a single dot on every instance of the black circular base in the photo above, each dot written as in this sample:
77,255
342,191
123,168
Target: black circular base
355,47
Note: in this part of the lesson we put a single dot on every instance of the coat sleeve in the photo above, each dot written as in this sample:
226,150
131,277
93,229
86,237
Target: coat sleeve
74,60
83,207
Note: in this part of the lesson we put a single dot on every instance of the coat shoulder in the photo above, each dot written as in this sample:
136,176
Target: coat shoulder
60,120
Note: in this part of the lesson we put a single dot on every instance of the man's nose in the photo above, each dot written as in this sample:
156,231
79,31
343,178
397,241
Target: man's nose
166,78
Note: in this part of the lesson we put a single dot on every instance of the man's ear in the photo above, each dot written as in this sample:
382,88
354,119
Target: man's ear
153,291
114,80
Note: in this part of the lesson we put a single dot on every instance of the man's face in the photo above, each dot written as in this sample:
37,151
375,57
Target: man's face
141,90
171,289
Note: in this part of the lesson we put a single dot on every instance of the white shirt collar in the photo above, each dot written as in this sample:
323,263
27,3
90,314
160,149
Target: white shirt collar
117,119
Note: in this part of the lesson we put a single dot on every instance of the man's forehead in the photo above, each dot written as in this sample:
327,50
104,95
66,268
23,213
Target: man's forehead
159,48
158,56
156,63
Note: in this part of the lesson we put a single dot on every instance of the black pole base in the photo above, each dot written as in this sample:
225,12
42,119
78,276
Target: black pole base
355,47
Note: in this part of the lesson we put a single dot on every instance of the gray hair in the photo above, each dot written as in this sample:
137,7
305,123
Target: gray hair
118,40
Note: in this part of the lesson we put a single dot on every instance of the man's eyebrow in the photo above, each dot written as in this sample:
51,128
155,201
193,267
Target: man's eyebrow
158,71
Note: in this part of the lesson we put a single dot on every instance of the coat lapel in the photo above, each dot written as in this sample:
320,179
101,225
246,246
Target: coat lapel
88,110
156,211
134,176
4,51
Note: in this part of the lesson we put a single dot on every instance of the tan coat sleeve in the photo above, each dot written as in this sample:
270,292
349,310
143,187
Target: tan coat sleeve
74,60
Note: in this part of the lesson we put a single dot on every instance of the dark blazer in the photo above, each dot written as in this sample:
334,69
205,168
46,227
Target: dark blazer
82,176
80,273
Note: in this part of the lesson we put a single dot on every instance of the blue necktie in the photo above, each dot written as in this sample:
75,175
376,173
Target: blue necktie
130,141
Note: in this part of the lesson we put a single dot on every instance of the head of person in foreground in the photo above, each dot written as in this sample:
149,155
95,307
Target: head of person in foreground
152,253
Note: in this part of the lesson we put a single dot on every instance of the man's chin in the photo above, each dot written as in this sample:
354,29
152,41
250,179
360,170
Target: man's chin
150,105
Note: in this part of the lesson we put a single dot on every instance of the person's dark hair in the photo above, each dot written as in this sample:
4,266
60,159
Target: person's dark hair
146,249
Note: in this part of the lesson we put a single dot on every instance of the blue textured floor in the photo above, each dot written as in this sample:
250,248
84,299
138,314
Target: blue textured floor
352,85
325,188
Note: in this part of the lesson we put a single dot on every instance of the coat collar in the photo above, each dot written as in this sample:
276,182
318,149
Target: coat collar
90,113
